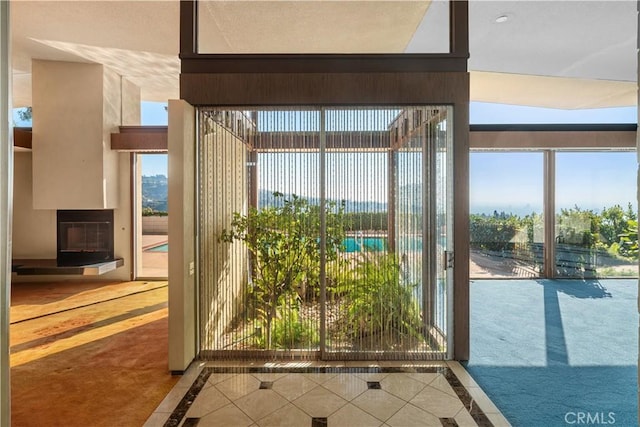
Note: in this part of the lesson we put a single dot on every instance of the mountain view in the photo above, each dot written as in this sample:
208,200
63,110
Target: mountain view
266,198
154,193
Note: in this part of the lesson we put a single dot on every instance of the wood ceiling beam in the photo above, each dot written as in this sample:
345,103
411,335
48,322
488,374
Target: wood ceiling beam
140,139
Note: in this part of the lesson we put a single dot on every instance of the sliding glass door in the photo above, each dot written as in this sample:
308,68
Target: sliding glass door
596,214
590,226
324,232
151,216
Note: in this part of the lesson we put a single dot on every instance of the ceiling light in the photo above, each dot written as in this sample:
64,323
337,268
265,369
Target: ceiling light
502,18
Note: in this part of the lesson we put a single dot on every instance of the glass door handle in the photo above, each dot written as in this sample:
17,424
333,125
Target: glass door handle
447,259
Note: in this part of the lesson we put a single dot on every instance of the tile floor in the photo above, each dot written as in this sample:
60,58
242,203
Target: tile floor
327,395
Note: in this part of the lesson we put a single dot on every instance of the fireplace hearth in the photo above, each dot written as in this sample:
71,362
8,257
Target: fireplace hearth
85,237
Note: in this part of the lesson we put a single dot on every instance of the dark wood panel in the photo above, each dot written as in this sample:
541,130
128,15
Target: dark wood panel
139,140
278,89
22,137
541,139
143,129
322,63
459,27
461,228
188,26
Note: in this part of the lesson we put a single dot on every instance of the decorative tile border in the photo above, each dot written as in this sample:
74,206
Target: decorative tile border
181,410
461,391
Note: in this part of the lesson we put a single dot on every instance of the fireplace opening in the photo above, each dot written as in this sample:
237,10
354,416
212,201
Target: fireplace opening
85,237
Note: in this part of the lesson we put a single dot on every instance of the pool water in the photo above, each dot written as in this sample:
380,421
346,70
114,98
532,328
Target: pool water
160,248
359,244
351,244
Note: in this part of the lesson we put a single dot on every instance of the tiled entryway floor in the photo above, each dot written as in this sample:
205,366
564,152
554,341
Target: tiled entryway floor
327,395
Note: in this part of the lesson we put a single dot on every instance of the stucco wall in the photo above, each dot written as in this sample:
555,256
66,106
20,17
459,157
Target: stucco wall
182,283
41,179
34,230
68,152
155,225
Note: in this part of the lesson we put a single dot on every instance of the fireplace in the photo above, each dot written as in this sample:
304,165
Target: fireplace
84,237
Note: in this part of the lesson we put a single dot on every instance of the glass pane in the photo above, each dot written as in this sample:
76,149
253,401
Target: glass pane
313,236
153,222
347,26
421,214
596,220
441,139
506,222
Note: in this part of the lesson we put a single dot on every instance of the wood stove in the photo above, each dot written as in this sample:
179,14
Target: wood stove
84,237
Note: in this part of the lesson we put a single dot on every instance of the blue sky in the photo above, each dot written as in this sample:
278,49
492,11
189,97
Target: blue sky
512,181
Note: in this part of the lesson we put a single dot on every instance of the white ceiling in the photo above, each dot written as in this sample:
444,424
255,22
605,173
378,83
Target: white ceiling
564,54
308,26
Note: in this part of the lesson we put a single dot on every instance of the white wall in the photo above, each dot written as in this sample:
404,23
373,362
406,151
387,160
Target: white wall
34,230
6,176
182,292
41,187
68,149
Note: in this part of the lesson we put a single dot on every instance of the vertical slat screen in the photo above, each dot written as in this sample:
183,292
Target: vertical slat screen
294,265
223,265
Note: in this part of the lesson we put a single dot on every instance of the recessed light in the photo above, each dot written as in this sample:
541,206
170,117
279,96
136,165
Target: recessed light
502,18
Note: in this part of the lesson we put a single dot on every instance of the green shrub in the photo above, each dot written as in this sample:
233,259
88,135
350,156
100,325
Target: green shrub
284,244
377,303
289,331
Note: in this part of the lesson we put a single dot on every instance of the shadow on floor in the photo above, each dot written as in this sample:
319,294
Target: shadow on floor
544,350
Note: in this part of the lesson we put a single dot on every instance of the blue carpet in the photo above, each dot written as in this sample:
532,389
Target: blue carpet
547,351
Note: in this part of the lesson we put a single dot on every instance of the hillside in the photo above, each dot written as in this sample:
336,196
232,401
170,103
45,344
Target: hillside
154,192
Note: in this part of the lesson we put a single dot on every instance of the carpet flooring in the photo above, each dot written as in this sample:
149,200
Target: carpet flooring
88,354
557,352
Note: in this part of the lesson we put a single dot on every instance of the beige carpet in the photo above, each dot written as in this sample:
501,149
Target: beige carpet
88,354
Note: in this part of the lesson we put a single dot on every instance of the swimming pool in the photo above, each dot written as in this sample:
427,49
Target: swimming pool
160,248
351,244
359,244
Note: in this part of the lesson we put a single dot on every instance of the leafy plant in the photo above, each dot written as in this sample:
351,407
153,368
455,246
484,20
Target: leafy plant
379,303
629,240
25,114
289,331
284,243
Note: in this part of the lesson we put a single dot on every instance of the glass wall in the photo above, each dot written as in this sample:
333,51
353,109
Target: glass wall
239,27
506,214
314,240
594,224
596,214
152,247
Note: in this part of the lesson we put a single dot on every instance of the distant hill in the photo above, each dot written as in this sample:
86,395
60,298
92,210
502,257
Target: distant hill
266,198
154,192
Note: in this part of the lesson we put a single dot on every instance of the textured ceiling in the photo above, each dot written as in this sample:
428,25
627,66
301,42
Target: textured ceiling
139,39
308,26
531,59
